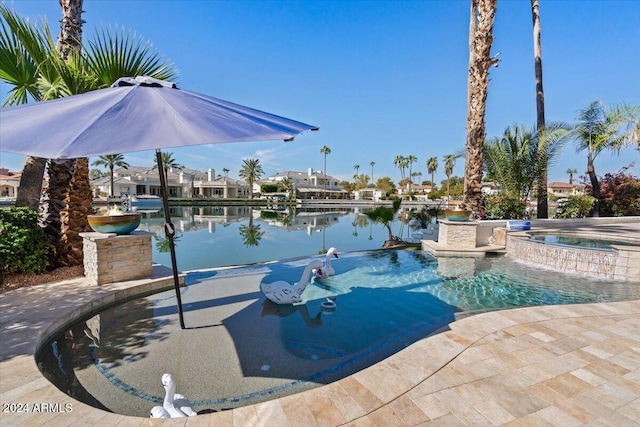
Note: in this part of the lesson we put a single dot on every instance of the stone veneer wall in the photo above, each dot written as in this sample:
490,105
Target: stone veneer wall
110,258
620,264
457,234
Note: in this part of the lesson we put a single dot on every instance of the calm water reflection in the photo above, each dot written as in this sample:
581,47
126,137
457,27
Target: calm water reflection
215,236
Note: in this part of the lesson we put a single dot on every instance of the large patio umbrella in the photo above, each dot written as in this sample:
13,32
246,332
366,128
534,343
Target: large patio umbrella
136,114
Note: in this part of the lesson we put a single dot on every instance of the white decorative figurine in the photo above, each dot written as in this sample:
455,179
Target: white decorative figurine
327,270
176,405
281,292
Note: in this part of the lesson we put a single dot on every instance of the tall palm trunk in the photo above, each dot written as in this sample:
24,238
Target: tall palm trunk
78,206
74,185
543,204
595,184
31,182
53,204
480,60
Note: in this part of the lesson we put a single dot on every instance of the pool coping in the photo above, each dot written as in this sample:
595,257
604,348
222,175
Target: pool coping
404,389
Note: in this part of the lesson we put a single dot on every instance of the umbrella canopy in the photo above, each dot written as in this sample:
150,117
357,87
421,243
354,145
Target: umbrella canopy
134,114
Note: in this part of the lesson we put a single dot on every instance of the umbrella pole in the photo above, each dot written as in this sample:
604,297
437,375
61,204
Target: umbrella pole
169,231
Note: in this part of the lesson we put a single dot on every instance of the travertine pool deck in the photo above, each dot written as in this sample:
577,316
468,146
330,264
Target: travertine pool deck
546,366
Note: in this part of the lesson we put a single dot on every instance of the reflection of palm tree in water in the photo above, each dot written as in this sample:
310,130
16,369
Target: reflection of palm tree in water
162,242
251,234
284,310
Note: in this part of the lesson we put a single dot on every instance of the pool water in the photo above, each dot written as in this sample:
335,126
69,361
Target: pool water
580,241
239,348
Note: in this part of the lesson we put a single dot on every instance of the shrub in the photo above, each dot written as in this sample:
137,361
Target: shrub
575,207
620,194
23,244
269,188
503,207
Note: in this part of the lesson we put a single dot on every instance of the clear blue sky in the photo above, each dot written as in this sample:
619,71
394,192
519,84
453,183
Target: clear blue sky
380,78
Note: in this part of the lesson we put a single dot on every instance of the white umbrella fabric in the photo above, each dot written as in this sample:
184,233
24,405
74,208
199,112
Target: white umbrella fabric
136,114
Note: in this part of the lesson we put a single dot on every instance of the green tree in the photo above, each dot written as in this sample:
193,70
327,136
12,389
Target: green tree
480,61
515,159
571,172
95,174
34,69
325,150
600,128
168,163
362,181
385,216
386,184
411,159
287,185
449,163
251,234
432,167
356,168
251,171
399,162
374,163
110,161
542,178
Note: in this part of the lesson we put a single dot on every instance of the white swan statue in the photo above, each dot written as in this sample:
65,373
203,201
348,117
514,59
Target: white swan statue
327,270
175,404
159,412
281,292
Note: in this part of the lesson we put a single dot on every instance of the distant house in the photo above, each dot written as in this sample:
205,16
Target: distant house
184,183
563,189
490,188
374,194
9,183
418,192
308,185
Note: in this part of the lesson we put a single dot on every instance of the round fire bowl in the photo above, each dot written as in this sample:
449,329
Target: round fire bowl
457,214
119,224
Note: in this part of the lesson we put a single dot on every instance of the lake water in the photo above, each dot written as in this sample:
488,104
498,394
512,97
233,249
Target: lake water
216,236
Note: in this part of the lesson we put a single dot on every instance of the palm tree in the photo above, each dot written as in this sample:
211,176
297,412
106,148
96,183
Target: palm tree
168,162
514,160
399,162
226,172
251,234
111,161
325,150
432,167
251,171
601,128
355,177
35,70
480,60
374,163
385,215
543,203
449,162
288,186
570,172
411,159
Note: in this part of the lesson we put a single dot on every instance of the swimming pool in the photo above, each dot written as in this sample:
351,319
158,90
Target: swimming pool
239,348
585,242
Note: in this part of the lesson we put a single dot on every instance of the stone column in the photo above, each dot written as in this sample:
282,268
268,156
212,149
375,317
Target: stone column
110,258
457,234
